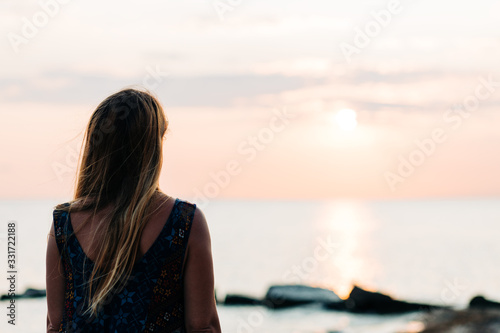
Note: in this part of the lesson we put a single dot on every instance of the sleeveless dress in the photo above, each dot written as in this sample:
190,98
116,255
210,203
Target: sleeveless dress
152,299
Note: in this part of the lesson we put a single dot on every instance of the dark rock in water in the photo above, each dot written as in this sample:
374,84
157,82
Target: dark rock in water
241,300
34,293
338,306
463,321
479,302
362,301
293,295
29,293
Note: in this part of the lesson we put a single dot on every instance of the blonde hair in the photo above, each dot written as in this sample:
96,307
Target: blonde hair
120,167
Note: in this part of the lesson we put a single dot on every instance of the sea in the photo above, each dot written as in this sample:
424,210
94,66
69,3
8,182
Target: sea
437,251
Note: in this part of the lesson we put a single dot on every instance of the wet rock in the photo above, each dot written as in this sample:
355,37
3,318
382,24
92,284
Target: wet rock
241,300
479,302
362,301
463,321
29,293
294,295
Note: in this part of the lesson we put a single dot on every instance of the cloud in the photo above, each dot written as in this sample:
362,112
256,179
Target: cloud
207,91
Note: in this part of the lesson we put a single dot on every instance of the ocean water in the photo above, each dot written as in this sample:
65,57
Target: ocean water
436,251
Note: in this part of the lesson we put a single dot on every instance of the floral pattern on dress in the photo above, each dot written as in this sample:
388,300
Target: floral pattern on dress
152,299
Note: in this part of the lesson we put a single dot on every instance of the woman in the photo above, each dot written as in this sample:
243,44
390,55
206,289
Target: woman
123,256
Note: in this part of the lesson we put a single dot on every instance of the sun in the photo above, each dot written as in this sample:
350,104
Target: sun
346,119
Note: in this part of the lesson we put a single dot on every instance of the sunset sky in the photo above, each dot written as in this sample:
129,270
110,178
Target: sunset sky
252,92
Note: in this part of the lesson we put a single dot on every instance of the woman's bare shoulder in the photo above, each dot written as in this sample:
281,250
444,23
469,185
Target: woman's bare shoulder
200,232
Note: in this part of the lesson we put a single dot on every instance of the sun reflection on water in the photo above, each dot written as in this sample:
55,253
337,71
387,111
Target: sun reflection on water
347,224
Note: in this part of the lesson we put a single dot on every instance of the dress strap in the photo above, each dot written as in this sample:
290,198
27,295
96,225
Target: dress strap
60,227
61,232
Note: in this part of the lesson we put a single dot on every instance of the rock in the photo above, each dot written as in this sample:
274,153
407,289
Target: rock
479,302
241,300
34,293
293,295
362,301
29,293
463,321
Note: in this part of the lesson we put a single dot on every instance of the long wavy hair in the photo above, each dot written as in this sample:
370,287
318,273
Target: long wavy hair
120,168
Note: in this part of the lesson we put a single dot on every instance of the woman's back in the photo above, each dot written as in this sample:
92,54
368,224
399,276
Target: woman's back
84,231
152,297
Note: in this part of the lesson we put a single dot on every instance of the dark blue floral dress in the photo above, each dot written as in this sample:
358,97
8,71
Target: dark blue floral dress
152,299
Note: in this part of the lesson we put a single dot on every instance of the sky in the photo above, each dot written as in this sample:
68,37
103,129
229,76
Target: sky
253,91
